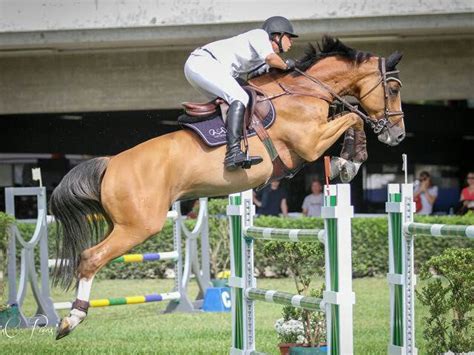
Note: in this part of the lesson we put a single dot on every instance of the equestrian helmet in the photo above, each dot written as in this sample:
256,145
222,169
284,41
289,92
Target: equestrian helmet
278,24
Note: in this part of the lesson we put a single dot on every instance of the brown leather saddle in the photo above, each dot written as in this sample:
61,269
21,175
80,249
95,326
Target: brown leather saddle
202,109
259,108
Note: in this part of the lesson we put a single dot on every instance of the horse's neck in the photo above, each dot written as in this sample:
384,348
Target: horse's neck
301,118
339,75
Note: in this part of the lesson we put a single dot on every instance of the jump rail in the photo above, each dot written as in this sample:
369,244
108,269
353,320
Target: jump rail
338,299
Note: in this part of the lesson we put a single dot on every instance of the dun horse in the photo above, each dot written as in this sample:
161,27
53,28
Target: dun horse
133,190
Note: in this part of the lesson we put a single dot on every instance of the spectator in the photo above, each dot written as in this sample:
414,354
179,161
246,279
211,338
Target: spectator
271,201
313,202
467,194
425,194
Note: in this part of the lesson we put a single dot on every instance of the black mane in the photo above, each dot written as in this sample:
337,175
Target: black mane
330,47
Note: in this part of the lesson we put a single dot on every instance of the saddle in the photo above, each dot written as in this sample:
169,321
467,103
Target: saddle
208,121
202,109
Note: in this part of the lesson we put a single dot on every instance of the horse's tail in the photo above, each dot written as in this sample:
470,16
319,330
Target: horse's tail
79,214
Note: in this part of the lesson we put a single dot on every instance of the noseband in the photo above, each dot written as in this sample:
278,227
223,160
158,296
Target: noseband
377,124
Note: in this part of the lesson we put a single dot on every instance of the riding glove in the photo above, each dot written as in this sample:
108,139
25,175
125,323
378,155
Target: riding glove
290,64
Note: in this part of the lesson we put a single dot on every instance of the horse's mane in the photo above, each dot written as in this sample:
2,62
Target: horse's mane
330,47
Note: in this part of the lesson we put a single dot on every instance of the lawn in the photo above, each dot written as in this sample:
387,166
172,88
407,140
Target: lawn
139,329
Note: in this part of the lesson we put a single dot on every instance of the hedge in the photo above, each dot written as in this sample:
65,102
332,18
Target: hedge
369,243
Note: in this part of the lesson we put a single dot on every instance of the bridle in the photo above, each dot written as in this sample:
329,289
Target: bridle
377,124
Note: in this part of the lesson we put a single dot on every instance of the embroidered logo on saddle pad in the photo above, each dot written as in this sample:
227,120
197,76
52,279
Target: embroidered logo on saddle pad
212,128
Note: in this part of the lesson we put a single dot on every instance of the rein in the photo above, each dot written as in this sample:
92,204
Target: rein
377,124
280,170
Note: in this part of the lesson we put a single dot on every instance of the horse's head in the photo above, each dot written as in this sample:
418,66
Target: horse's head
339,70
379,95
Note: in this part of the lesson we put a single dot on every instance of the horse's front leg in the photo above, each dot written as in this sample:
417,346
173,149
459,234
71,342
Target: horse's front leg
353,153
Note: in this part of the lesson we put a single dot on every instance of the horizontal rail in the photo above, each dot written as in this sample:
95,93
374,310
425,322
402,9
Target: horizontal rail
120,301
139,258
133,258
284,298
440,230
288,235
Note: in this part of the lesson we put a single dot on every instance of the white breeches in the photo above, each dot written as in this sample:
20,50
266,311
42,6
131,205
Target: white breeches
212,79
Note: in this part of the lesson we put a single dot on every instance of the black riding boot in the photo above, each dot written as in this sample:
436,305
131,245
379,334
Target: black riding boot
234,157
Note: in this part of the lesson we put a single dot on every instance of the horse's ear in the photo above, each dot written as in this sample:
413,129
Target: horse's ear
393,60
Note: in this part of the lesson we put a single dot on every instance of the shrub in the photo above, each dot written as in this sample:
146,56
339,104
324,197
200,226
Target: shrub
5,222
369,244
449,296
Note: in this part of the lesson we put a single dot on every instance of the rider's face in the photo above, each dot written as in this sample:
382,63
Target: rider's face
286,43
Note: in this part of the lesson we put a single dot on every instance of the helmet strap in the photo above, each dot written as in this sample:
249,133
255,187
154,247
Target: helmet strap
279,42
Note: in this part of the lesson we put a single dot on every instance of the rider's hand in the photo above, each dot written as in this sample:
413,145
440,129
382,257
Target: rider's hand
290,64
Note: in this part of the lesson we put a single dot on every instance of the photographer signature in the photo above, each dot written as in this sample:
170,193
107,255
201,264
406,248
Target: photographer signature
39,327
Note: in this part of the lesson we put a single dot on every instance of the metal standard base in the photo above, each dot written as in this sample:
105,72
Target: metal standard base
46,314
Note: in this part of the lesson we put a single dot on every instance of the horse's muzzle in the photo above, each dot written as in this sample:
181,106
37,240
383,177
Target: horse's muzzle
392,136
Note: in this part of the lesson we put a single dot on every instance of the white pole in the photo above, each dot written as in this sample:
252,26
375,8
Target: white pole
36,174
405,167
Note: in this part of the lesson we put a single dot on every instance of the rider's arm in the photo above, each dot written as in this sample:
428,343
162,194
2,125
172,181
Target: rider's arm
256,201
284,207
275,61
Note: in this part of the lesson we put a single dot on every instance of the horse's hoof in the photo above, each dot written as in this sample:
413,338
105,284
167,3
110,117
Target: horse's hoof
70,322
64,328
349,171
337,165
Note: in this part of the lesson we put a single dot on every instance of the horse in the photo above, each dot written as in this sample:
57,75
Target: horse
134,189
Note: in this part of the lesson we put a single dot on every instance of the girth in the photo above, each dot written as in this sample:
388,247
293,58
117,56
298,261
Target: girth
253,119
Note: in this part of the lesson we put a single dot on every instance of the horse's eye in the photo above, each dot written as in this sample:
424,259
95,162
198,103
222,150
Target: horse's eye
394,91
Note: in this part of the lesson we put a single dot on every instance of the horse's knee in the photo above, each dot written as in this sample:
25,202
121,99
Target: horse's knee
357,121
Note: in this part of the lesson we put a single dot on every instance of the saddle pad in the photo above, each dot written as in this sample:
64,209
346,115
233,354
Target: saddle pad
213,132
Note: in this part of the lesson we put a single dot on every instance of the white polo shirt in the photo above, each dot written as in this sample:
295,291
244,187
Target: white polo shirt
243,53
426,207
313,204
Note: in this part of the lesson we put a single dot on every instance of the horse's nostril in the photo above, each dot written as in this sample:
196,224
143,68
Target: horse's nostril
401,137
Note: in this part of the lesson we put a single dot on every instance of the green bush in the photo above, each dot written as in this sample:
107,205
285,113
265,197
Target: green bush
369,244
5,222
449,296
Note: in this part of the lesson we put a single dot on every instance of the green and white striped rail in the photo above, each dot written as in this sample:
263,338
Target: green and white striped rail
338,298
439,230
285,298
401,276
285,235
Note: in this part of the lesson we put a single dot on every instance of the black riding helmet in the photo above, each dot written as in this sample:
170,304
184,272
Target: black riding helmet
278,25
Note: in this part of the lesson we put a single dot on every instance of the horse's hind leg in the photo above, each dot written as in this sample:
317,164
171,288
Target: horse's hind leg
120,240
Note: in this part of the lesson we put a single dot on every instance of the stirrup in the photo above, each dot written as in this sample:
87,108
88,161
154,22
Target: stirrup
249,161
237,161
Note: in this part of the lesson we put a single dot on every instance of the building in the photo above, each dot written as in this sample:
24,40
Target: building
94,77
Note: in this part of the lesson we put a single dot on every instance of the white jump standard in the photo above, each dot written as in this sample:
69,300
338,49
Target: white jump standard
338,299
401,276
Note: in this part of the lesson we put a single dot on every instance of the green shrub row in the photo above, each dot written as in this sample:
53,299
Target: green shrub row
369,243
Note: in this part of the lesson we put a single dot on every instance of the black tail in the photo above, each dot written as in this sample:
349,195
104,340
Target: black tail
76,206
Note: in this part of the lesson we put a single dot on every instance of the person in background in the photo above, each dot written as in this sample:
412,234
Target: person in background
313,202
271,201
426,193
467,194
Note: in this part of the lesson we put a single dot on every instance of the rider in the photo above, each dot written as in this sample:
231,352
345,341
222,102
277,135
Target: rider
213,69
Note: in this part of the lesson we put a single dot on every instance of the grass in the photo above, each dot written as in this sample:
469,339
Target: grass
141,329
